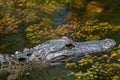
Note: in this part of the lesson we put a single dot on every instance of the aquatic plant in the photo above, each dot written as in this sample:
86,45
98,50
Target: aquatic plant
104,66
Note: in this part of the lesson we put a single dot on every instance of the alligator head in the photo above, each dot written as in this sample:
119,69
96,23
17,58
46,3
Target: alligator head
62,50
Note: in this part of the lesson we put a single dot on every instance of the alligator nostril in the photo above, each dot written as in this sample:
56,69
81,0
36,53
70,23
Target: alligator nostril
69,46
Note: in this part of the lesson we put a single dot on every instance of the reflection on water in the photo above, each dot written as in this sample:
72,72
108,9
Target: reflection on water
59,16
51,73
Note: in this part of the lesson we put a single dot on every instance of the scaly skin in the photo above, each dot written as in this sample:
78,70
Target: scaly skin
58,51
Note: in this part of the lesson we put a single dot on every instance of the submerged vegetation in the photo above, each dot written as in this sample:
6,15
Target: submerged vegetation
20,70
104,66
24,23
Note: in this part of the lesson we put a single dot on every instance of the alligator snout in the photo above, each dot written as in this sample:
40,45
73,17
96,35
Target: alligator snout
108,44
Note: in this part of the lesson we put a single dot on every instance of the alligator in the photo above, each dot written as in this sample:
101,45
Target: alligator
58,51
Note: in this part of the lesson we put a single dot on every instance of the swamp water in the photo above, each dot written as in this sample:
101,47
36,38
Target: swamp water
50,73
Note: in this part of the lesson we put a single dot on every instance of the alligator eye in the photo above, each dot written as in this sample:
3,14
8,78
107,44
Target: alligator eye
29,54
69,46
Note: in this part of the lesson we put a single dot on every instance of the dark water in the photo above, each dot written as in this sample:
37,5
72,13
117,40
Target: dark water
50,73
59,16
